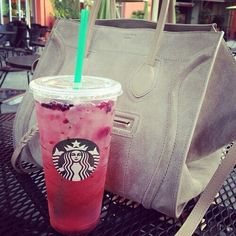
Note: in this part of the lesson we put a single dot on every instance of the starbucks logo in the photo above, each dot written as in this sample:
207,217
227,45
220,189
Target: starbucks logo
75,159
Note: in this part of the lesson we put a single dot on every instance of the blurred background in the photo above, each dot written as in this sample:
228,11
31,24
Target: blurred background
26,24
45,12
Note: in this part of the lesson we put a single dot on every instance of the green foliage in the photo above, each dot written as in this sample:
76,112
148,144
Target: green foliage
104,11
5,8
138,14
66,8
145,10
141,14
71,8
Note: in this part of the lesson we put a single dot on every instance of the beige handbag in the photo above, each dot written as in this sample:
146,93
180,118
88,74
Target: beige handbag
176,113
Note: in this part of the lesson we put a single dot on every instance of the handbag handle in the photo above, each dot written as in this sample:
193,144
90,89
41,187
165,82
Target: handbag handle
147,70
166,7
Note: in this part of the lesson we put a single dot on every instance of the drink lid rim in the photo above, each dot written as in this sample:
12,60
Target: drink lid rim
107,88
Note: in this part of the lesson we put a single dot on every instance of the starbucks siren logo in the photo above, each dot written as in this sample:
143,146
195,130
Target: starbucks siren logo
75,159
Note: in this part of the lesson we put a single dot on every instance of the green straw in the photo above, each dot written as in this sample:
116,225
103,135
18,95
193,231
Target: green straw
81,47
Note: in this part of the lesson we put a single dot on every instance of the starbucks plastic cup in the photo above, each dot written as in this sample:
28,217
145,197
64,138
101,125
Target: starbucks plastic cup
75,133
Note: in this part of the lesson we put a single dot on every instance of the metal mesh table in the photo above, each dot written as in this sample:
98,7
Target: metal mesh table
23,205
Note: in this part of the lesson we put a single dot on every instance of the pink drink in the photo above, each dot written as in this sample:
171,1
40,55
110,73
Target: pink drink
75,142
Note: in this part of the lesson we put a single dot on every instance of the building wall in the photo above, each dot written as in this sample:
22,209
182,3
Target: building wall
44,12
232,33
129,7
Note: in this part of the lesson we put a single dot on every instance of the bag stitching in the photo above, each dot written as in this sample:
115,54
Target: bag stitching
171,156
157,170
187,137
126,165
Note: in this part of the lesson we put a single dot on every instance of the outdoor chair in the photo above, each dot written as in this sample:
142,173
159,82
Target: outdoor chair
16,44
2,37
34,34
37,36
6,69
44,31
6,47
2,40
21,46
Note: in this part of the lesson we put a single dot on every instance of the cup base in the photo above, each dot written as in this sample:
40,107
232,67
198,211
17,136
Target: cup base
83,230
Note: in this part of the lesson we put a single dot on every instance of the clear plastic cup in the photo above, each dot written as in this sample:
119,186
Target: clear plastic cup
75,133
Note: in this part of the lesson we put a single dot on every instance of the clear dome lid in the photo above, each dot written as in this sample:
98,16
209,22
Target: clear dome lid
62,88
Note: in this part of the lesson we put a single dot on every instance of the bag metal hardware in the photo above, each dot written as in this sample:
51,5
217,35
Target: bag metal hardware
125,124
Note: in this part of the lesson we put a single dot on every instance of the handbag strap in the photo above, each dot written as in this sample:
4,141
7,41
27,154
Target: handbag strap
16,156
147,69
172,12
113,9
208,195
159,28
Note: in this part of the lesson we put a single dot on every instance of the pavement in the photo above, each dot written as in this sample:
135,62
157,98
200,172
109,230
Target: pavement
14,80
231,44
